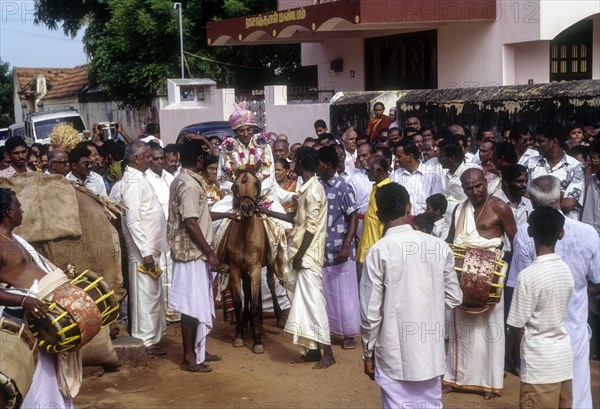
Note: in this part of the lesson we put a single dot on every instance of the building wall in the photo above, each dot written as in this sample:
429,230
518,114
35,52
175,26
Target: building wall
351,50
294,120
510,50
176,116
469,56
532,61
596,48
556,16
131,119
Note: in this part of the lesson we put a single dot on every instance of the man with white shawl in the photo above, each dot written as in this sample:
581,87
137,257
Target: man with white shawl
189,233
475,360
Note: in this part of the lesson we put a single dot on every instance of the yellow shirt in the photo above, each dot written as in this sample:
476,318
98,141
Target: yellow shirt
372,227
311,217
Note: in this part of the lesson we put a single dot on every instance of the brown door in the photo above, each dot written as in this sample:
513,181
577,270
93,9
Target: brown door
405,61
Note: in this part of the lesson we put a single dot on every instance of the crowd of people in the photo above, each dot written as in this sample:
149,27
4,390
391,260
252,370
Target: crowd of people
372,217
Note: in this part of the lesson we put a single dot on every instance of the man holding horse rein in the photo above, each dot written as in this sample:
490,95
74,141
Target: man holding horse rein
189,232
307,322
24,273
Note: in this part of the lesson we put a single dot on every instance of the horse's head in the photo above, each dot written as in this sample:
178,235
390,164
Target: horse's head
246,193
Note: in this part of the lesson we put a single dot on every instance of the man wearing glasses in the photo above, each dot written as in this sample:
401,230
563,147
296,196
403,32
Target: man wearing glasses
81,170
58,162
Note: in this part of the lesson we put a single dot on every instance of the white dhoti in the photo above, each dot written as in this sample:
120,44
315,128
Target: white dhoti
147,305
475,358
44,391
307,321
340,288
267,299
409,394
166,278
192,295
580,344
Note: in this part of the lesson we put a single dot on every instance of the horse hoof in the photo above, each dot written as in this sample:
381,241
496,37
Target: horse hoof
239,342
281,323
258,348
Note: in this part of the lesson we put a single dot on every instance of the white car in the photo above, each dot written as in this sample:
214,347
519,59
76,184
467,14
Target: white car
3,135
38,125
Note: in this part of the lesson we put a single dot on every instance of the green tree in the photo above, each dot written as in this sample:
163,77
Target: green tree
7,109
133,45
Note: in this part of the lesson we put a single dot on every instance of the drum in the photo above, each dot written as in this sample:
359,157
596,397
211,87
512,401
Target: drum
105,299
18,358
481,275
78,311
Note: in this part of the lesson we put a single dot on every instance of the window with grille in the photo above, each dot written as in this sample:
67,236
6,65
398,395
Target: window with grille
571,53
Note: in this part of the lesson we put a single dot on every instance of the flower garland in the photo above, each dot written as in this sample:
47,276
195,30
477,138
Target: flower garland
236,157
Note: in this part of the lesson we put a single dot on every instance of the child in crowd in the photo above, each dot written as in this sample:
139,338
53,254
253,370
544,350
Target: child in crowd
436,208
539,305
423,223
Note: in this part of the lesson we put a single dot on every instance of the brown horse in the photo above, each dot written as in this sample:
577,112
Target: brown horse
246,250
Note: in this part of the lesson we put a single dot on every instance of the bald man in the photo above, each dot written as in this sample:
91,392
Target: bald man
475,360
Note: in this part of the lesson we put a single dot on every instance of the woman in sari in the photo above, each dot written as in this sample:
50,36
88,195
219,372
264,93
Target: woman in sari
379,122
286,184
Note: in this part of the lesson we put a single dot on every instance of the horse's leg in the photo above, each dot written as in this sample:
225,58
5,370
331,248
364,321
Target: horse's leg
276,308
234,282
255,308
247,318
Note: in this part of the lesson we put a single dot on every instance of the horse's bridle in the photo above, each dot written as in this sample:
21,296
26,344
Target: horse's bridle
237,200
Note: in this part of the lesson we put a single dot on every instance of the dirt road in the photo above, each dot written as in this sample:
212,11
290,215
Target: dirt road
244,380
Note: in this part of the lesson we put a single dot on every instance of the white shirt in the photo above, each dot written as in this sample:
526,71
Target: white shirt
347,174
420,184
529,153
93,181
434,163
520,213
539,305
591,203
440,229
362,186
350,157
143,221
403,294
161,185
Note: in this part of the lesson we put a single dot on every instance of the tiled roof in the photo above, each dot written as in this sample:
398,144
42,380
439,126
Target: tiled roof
63,82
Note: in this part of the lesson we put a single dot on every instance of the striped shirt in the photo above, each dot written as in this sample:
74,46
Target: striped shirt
420,184
539,305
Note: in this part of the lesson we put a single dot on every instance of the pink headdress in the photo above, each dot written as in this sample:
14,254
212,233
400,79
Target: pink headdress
241,116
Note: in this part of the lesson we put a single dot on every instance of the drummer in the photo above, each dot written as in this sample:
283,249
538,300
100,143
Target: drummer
25,274
475,360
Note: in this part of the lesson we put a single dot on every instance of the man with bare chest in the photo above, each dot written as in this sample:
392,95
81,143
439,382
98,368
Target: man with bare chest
22,274
475,359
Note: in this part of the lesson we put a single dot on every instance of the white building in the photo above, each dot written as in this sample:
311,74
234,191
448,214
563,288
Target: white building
362,45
